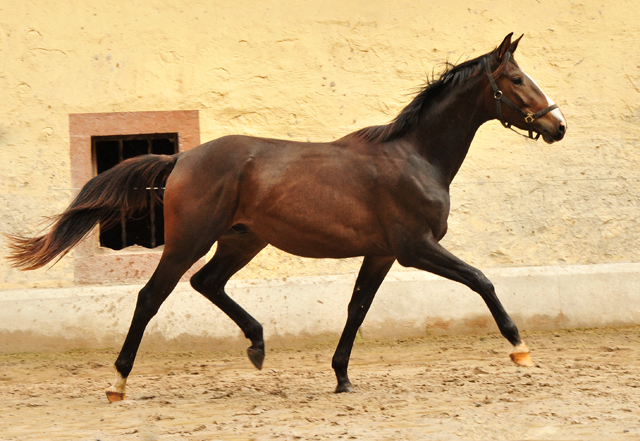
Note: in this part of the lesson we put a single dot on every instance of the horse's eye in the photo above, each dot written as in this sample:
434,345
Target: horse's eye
517,81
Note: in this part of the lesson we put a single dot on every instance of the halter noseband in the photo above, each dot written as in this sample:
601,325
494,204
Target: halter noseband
499,97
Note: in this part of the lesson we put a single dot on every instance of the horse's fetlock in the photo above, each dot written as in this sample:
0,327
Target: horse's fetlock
254,332
124,367
339,362
509,330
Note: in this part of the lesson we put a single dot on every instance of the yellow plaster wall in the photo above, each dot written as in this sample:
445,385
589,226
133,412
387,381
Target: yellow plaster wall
318,70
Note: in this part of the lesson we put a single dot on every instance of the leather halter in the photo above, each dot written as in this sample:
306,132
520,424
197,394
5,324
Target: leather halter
499,97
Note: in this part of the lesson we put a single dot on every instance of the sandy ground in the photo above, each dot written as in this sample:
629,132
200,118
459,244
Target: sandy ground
585,385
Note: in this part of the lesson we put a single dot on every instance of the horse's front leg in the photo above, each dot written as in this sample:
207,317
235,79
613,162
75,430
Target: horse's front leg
372,273
427,254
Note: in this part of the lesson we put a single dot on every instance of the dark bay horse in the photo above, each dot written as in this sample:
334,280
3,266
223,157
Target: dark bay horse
381,192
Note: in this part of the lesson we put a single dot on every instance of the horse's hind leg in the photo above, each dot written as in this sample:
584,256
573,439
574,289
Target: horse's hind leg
187,239
235,249
372,273
150,298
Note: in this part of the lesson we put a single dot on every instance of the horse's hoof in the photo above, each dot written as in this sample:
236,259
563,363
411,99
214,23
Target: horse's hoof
521,356
115,396
521,359
346,387
256,356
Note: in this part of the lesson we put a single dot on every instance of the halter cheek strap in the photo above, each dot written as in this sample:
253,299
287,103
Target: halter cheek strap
499,97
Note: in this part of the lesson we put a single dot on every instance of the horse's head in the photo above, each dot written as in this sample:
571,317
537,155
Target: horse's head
518,99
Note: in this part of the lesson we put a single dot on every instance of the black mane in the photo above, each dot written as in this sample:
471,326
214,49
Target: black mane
410,115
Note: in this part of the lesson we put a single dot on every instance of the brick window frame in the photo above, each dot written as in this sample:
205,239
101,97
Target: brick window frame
94,264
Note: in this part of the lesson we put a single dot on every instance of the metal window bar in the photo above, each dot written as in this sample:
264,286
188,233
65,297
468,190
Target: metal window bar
152,205
123,220
152,213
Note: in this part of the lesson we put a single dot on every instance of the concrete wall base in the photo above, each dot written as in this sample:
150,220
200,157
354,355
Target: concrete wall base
409,304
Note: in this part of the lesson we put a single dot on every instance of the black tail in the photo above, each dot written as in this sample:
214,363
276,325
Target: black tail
120,191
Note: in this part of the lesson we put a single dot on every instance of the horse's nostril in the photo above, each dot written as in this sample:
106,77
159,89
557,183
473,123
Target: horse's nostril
562,128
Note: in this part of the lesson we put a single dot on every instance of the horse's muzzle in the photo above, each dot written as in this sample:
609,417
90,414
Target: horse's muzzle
551,135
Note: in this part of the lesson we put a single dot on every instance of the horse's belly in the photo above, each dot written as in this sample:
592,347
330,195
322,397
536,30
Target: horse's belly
322,236
324,247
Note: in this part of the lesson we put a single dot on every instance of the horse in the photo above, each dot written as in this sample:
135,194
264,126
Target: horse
381,192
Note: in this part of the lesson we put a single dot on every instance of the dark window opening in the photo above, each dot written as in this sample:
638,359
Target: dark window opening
145,229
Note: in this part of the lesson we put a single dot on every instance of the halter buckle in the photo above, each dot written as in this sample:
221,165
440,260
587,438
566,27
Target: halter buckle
529,118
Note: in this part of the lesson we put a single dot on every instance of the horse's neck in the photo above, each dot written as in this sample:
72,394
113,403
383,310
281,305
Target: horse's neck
448,126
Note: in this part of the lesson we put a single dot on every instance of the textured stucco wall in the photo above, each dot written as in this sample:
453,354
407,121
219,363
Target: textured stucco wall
318,70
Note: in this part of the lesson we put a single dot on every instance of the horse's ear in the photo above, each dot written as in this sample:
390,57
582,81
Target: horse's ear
504,47
514,45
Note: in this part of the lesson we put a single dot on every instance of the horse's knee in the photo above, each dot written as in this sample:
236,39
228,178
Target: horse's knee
481,283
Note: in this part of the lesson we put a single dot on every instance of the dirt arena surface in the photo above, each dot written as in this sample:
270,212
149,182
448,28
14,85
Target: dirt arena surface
585,385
